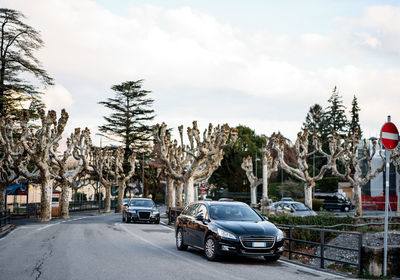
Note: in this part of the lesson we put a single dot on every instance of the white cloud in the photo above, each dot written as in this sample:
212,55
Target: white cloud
57,97
89,47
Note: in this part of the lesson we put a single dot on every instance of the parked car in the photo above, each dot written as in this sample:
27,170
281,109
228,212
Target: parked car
141,209
222,228
287,199
335,201
226,199
291,208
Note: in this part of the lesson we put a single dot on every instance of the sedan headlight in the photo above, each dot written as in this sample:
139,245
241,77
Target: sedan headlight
133,211
279,236
226,234
156,212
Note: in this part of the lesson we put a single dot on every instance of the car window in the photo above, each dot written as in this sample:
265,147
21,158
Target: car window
191,210
201,210
233,213
299,207
143,203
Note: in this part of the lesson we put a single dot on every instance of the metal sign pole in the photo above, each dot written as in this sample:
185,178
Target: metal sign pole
385,238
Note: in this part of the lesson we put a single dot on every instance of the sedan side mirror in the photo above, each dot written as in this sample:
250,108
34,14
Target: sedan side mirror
199,218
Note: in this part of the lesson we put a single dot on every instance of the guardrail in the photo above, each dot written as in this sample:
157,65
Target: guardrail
322,245
5,217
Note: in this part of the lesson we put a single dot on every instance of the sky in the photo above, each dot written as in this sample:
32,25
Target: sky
256,63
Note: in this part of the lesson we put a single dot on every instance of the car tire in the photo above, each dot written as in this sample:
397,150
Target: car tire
157,221
180,244
211,248
272,258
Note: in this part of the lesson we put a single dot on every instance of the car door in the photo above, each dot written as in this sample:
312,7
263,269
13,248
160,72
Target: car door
200,226
190,222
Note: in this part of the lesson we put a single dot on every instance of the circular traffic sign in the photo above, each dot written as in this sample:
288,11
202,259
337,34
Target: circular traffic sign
389,136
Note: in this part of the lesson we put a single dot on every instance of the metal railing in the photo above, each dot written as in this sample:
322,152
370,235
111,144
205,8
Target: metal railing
5,217
322,245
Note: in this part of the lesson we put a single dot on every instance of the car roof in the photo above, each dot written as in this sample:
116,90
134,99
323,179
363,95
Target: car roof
210,203
140,198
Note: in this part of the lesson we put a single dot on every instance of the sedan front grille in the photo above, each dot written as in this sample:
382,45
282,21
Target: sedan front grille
144,215
249,241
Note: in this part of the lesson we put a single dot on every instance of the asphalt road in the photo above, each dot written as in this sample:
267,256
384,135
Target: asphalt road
102,247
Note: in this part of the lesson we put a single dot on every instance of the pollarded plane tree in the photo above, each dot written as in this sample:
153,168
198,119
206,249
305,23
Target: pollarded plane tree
11,153
38,142
302,151
269,166
101,165
121,176
78,147
197,159
347,151
395,158
247,166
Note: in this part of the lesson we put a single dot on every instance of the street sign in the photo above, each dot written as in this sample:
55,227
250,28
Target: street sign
389,135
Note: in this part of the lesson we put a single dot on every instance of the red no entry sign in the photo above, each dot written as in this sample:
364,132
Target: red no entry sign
389,136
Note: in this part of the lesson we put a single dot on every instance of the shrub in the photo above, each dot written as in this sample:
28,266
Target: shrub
316,203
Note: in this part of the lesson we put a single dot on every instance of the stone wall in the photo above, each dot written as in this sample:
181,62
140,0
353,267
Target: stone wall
372,260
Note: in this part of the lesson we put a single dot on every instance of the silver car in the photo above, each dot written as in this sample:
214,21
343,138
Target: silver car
291,208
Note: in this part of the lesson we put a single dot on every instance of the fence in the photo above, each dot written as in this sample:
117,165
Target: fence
5,217
291,241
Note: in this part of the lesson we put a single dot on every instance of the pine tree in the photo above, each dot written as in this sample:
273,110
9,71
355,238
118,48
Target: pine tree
314,119
355,118
18,65
334,117
131,115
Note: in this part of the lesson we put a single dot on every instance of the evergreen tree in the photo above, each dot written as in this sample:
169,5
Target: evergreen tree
17,63
131,115
334,117
314,119
230,175
355,118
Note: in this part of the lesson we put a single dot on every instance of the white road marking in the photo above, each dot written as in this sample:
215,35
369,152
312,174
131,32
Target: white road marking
49,226
66,221
164,225
312,270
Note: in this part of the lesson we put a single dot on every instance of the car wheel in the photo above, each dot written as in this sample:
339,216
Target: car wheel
180,244
272,258
157,221
211,248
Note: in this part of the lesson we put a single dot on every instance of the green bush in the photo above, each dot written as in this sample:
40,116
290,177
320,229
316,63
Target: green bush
316,203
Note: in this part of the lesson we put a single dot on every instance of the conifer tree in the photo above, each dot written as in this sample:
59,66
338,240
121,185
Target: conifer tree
18,65
131,115
334,117
354,124
314,119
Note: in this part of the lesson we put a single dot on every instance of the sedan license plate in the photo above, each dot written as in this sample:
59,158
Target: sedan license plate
259,244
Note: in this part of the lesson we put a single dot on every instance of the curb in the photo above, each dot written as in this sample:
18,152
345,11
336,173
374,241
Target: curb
9,229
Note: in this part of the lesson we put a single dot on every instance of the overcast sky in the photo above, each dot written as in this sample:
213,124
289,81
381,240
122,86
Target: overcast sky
255,62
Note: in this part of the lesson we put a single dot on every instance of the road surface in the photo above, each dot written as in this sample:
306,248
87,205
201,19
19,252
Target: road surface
102,247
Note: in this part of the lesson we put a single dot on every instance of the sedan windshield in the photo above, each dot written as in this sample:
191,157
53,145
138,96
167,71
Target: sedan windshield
143,203
300,207
233,213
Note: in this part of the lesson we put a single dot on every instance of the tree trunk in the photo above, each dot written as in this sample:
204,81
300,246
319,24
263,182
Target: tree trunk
253,196
121,193
45,200
357,199
171,193
189,191
108,198
3,190
166,192
308,193
196,192
264,199
145,189
65,200
398,200
179,194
